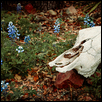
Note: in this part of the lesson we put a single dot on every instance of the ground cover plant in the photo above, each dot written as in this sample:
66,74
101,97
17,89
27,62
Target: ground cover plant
24,50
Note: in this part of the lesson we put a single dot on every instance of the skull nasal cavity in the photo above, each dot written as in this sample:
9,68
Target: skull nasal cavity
67,56
77,48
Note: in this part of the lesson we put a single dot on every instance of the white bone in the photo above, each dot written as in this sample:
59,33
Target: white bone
84,56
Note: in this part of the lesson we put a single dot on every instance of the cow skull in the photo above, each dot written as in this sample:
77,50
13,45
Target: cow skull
84,56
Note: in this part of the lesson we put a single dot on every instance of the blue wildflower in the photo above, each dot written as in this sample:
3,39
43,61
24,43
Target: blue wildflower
19,7
87,18
88,21
12,30
1,61
92,24
27,39
3,85
57,26
20,49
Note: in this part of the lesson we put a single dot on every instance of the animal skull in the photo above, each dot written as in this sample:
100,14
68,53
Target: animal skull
84,56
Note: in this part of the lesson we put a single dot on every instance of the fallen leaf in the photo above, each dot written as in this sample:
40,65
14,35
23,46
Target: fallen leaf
54,78
34,95
44,86
45,92
17,77
29,77
55,89
35,78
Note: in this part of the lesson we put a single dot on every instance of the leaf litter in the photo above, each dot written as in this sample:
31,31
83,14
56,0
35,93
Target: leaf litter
42,81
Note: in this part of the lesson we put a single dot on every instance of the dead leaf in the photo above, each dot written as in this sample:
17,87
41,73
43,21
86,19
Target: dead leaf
17,77
44,86
45,92
54,78
35,78
29,77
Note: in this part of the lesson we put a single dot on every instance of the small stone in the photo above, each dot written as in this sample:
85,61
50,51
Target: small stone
42,13
53,13
71,10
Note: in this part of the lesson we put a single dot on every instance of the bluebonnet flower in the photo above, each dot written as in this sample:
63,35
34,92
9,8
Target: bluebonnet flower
19,7
88,21
3,85
92,24
57,26
27,39
12,30
1,61
20,49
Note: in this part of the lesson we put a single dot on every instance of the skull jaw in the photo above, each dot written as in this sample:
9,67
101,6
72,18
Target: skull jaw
80,65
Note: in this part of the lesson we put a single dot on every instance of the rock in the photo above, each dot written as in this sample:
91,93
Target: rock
53,13
71,10
70,77
42,13
71,13
30,8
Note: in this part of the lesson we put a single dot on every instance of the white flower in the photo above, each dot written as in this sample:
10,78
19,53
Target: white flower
20,49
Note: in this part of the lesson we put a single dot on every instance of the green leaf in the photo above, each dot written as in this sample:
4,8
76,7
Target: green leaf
53,68
94,7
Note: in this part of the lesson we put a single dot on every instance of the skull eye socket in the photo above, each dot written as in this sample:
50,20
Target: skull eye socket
76,52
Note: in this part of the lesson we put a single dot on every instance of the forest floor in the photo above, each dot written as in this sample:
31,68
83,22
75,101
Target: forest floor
41,81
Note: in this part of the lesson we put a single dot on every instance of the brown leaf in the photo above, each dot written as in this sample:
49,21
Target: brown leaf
35,78
44,86
45,92
17,77
54,78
